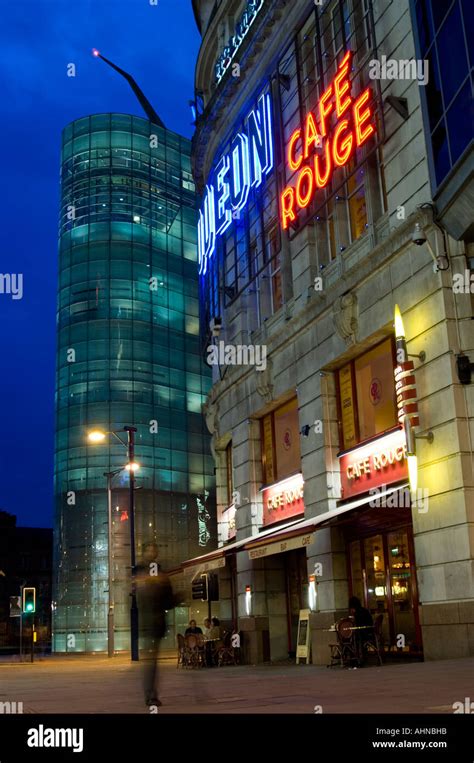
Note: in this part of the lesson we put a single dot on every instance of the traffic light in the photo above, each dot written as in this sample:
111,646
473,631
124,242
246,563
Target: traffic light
199,587
29,600
213,587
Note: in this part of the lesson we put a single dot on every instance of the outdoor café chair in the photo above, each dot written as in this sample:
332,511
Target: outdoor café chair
343,653
226,652
373,641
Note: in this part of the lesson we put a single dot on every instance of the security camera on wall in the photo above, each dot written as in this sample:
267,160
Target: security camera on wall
418,236
215,325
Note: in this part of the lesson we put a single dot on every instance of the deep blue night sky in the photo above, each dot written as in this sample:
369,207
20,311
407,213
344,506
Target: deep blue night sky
158,44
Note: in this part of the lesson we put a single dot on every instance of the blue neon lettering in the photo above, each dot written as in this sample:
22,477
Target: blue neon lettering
248,161
206,230
261,149
223,213
240,185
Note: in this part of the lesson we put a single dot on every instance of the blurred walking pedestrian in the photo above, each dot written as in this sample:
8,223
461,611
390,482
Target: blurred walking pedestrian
155,597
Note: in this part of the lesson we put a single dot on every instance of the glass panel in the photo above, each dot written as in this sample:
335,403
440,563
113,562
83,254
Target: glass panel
287,440
453,67
375,391
377,601
433,90
402,587
460,119
439,142
356,571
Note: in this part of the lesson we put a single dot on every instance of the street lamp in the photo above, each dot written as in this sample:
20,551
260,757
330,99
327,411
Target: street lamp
97,436
110,614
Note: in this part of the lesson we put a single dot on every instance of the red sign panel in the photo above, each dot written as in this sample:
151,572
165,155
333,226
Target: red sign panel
380,462
283,500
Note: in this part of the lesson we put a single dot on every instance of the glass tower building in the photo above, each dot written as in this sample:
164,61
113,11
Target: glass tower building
128,354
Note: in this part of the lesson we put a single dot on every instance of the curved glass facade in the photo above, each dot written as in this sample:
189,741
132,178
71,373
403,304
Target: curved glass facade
127,355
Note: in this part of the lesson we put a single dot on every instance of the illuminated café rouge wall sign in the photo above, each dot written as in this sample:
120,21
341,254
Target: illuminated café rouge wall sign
315,151
241,30
248,160
283,500
378,463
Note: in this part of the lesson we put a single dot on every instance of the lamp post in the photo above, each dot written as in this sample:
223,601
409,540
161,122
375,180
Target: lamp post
97,436
133,606
111,611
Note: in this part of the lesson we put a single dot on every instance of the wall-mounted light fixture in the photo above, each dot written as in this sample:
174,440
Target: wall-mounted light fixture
248,600
401,341
404,373
412,459
464,368
312,593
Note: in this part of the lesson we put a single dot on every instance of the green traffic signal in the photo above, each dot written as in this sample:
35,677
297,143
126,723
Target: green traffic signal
29,600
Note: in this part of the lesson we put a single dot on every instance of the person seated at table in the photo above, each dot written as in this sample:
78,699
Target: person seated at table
207,628
193,629
364,623
216,629
360,614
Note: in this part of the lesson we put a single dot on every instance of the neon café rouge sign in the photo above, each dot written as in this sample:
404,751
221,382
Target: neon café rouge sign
241,30
244,166
316,151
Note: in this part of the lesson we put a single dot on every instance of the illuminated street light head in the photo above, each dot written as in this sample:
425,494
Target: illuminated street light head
96,436
141,97
132,467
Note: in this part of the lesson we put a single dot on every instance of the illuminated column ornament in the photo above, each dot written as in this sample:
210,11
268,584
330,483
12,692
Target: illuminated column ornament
405,382
206,230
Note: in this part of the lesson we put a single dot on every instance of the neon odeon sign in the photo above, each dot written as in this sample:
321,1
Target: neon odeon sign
244,166
316,151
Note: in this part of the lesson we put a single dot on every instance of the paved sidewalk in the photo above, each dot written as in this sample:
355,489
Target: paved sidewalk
93,684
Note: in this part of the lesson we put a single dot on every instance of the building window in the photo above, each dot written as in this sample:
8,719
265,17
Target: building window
229,475
281,454
366,395
447,96
353,198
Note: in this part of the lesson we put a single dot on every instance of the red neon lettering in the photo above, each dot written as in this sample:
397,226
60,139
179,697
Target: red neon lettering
342,85
288,207
324,109
342,152
321,180
310,134
303,200
360,117
293,163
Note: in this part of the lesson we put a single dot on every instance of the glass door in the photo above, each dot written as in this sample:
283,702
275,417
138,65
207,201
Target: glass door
297,592
402,589
375,574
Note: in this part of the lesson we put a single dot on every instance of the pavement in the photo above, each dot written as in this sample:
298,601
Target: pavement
96,684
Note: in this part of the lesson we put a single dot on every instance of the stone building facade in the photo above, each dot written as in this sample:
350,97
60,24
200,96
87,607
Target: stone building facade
339,224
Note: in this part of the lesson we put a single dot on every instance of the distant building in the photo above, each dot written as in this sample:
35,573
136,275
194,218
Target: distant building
25,559
128,355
